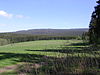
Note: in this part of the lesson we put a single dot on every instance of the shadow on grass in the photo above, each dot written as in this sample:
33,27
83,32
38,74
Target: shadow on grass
21,57
75,48
79,44
70,50
64,49
45,65
53,65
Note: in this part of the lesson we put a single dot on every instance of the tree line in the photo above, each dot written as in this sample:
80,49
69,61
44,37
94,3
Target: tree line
15,38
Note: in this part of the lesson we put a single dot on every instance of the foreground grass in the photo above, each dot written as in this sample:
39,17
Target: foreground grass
50,53
32,47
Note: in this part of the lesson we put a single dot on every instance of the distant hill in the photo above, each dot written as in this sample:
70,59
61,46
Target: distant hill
54,32
42,34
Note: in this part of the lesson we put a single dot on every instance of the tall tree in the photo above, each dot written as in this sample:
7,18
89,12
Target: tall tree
94,27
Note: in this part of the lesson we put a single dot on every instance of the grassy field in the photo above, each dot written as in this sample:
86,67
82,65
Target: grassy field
62,56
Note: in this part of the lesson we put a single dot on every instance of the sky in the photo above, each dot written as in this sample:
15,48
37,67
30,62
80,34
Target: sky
45,14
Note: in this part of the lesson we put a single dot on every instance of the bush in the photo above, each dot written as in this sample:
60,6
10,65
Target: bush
3,41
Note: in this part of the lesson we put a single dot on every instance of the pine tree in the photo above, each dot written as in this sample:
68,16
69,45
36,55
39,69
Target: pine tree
94,27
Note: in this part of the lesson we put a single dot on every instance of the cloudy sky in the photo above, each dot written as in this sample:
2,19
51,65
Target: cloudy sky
36,14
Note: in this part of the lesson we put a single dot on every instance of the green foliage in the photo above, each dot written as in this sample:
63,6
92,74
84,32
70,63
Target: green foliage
3,41
94,28
15,38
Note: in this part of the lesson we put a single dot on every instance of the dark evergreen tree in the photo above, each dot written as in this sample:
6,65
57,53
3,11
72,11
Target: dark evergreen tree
94,28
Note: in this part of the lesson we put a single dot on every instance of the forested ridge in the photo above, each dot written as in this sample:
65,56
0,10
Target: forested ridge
54,32
41,34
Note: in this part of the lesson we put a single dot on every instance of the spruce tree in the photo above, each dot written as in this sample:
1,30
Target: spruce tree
94,27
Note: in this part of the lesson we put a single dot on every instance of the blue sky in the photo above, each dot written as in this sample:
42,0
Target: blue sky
36,14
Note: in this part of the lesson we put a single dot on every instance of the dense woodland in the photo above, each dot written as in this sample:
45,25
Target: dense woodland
7,38
41,34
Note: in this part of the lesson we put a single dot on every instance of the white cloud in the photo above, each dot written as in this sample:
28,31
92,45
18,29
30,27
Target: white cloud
5,14
22,16
8,15
19,16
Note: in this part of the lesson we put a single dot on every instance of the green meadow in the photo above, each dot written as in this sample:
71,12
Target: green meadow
58,56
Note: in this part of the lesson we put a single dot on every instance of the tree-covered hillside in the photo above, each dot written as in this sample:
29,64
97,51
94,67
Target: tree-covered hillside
54,32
